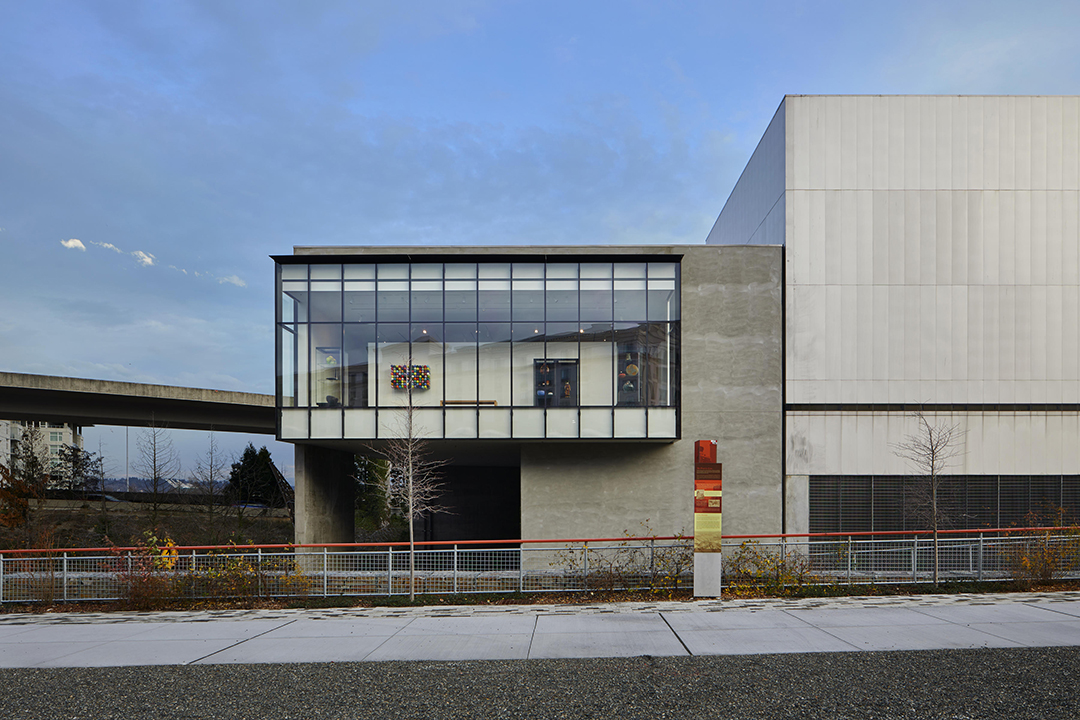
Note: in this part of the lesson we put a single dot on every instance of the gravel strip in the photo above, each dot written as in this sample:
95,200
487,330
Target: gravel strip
956,684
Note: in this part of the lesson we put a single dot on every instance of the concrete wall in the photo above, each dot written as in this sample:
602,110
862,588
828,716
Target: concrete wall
731,380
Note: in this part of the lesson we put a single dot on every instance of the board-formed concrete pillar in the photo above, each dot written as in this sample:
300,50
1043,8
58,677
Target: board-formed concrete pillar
324,495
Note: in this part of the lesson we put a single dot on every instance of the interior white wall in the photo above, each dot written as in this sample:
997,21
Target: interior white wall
596,368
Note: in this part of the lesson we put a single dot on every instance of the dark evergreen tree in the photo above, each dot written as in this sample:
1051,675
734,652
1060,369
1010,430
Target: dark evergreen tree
252,480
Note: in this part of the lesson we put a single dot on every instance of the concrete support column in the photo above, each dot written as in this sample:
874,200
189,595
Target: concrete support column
324,495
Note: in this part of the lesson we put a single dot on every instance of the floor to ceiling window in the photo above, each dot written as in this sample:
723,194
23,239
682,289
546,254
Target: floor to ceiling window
479,349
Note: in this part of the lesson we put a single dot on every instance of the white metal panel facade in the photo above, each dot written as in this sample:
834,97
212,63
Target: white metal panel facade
757,204
1029,442
952,253
932,256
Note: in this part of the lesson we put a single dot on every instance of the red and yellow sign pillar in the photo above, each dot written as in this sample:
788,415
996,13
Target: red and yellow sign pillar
708,511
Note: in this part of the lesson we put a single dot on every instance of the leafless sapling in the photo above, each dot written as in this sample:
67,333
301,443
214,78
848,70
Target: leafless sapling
929,452
209,475
413,476
158,463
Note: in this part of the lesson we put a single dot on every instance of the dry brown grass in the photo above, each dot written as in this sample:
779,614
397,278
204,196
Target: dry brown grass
87,526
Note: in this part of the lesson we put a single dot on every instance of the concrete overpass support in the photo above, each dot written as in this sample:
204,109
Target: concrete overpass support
324,495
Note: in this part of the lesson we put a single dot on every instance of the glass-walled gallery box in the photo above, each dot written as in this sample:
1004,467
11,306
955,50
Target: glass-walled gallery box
478,349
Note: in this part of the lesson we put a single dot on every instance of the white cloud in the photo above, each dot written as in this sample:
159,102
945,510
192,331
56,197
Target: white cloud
107,246
73,244
144,259
179,269
232,280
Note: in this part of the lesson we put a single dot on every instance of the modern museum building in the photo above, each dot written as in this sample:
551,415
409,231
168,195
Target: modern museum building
879,255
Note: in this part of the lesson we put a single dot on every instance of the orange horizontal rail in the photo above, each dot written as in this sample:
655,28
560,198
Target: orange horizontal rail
551,541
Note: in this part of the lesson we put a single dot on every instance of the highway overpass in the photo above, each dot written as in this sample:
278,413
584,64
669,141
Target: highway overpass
108,402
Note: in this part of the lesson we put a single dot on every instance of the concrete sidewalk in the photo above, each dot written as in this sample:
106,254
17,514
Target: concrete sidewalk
541,631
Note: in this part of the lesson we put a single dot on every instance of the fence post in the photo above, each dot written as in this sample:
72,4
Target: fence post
652,562
848,559
915,559
1,578
258,571
455,567
585,550
781,566
980,571
325,573
389,569
64,576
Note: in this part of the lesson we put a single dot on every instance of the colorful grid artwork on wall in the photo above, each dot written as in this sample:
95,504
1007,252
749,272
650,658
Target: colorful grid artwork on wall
418,377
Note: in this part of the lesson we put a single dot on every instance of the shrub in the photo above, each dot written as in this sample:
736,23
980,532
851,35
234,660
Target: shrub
753,568
1037,557
153,574
630,564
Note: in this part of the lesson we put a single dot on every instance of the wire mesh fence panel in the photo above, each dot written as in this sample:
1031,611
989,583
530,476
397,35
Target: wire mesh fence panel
628,565
880,560
92,578
356,573
283,576
550,569
486,570
32,579
139,576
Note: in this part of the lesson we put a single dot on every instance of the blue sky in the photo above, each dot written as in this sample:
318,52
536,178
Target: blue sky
182,143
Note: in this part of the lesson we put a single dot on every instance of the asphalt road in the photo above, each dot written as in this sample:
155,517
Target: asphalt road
956,684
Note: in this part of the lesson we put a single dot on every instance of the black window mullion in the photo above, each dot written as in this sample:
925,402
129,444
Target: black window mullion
374,361
442,342
342,366
476,345
544,294
581,364
308,355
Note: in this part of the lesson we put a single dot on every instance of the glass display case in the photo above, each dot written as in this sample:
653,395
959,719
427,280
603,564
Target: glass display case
556,383
629,378
328,376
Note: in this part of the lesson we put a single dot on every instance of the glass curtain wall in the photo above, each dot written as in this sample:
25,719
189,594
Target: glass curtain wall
489,349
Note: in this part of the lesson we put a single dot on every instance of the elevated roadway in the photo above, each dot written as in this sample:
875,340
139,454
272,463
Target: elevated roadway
108,402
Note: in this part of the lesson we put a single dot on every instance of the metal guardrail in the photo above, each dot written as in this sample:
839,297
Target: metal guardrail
524,565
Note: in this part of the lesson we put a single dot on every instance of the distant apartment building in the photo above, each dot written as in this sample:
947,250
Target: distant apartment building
54,434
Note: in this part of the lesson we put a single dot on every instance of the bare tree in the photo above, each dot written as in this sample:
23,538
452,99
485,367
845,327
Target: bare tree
78,469
413,477
929,451
158,463
210,473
